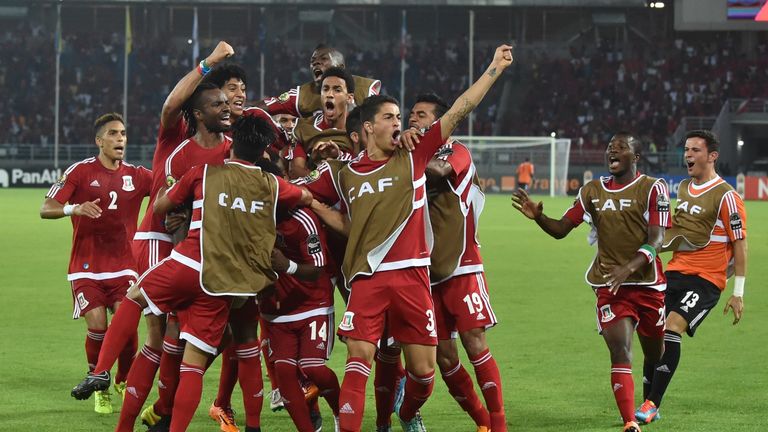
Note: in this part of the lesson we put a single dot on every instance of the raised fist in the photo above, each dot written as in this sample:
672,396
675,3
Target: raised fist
221,52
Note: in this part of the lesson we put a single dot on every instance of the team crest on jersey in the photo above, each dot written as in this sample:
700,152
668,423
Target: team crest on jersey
313,244
346,321
284,97
81,301
128,184
606,313
170,181
60,182
735,220
312,176
662,203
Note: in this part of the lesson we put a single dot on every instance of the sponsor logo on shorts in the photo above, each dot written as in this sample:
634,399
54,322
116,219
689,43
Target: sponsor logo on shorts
321,346
607,313
128,184
735,221
82,301
684,308
313,244
346,321
480,316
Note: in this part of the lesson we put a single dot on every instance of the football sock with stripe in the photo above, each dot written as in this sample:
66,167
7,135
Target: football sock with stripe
293,396
418,388
665,369
462,389
188,396
489,379
352,395
138,385
624,390
249,374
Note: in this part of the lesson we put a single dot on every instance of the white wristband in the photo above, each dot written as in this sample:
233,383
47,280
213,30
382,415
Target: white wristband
738,286
69,208
292,267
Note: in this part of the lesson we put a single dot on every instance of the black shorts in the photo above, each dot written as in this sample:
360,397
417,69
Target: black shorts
691,296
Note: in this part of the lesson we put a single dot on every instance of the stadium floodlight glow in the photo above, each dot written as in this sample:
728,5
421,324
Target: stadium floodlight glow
740,143
656,4
553,134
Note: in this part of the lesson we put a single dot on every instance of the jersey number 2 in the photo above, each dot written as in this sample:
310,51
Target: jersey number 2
113,200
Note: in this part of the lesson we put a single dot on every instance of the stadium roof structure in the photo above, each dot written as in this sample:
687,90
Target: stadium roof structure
479,3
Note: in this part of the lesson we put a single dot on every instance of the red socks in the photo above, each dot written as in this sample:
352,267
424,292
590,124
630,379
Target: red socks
462,389
325,380
170,361
389,371
352,396
138,386
489,379
93,341
227,376
417,391
125,359
249,373
188,396
120,331
624,390
293,396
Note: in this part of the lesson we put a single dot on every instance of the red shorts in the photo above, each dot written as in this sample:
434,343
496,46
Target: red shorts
402,297
148,253
88,294
308,339
644,305
172,286
462,304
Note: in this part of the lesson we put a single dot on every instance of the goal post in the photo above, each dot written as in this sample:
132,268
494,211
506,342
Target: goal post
497,157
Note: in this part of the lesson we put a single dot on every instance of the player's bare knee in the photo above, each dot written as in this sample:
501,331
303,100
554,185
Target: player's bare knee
361,349
155,331
172,329
620,353
96,318
447,354
474,341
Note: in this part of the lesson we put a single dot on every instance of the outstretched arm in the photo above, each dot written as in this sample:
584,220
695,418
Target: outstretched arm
334,219
186,86
556,228
471,98
53,209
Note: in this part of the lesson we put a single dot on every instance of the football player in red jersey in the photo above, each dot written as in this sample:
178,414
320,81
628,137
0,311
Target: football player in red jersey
103,196
628,212
179,282
388,251
462,303
152,242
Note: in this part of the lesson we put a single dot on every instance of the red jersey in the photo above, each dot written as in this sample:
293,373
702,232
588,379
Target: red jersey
190,187
653,216
472,202
413,245
302,240
152,227
101,248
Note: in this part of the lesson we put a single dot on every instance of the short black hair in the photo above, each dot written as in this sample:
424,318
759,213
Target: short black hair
371,105
632,140
340,73
193,103
713,144
224,72
354,123
441,106
250,137
104,119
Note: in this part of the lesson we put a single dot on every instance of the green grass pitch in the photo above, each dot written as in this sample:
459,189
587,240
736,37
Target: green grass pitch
555,367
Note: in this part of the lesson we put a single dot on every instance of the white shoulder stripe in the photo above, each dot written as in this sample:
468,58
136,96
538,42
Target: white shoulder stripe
171,156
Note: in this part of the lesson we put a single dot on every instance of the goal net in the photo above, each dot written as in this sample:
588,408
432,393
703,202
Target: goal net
497,158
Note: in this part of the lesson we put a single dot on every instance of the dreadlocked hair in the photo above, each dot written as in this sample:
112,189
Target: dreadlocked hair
192,103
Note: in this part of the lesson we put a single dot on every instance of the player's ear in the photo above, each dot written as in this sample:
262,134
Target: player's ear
712,156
